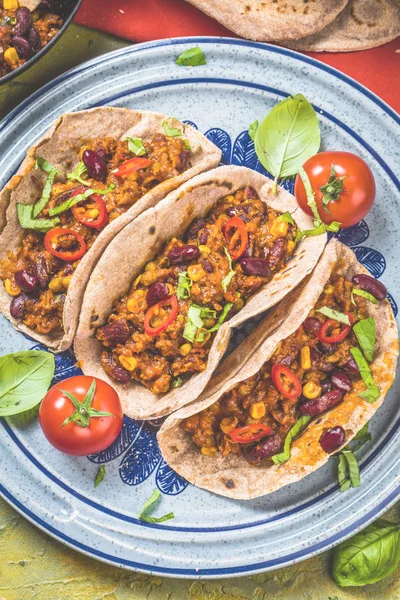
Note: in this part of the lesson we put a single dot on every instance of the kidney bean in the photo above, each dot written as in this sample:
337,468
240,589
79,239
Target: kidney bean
332,438
24,21
207,266
265,449
250,193
326,386
321,404
183,254
276,252
248,253
371,285
113,369
326,348
34,38
26,281
22,46
256,266
194,228
115,333
17,306
231,211
203,237
314,354
341,380
41,271
157,292
95,165
185,159
311,325
351,366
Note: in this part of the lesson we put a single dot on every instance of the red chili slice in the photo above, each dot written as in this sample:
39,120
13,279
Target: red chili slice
131,165
250,433
52,242
323,333
237,243
82,216
172,302
287,383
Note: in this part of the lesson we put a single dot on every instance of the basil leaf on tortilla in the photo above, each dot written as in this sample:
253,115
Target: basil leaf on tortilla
26,220
101,473
187,144
286,217
365,333
171,131
67,204
293,432
253,130
287,137
46,193
363,294
44,164
76,175
149,506
184,285
193,57
334,314
136,146
372,392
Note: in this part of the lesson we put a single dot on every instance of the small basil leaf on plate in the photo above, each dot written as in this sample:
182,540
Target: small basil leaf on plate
365,333
193,57
372,392
171,131
334,314
253,129
101,473
293,432
149,506
136,146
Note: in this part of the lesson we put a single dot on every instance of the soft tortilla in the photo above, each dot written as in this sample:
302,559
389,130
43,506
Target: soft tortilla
272,20
59,146
139,241
361,25
233,476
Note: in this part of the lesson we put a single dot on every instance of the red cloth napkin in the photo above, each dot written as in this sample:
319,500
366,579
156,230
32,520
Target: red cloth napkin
146,20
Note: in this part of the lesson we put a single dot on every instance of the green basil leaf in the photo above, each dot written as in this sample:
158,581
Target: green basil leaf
44,165
171,131
253,130
369,556
362,433
334,314
354,471
56,210
46,193
177,382
193,57
287,137
149,506
286,217
365,333
319,230
293,432
228,278
343,476
372,392
25,377
136,146
26,220
334,226
76,175
184,285
218,324
187,144
363,294
194,315
101,473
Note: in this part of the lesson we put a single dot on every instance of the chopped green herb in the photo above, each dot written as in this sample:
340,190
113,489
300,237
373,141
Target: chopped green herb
228,278
220,321
177,382
56,210
184,285
363,294
193,57
26,220
362,437
196,314
44,164
309,232
348,470
365,334
171,131
149,506
76,175
372,392
46,193
100,475
136,146
293,432
286,217
253,130
187,144
334,314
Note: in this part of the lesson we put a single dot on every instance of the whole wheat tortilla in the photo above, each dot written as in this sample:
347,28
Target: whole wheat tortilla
60,147
361,25
138,243
233,476
272,20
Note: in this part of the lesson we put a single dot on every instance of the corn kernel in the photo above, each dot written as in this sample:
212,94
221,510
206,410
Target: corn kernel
328,289
93,213
66,281
12,288
311,390
170,289
11,57
208,451
204,249
137,281
185,349
56,284
10,4
290,246
279,228
128,362
228,424
151,266
305,358
257,410
196,272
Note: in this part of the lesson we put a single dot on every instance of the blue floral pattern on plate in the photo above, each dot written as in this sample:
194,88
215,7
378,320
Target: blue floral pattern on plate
137,442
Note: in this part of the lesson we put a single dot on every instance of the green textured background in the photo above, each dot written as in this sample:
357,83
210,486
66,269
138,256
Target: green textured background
33,566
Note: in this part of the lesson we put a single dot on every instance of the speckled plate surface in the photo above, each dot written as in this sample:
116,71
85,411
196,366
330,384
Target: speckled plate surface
210,536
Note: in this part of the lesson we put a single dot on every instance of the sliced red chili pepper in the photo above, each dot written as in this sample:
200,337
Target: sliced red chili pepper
83,216
237,243
52,242
131,165
250,433
172,302
287,383
324,336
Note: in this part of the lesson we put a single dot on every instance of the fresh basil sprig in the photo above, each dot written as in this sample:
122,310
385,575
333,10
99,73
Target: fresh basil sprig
149,506
293,432
369,556
101,473
372,392
334,314
365,333
287,137
25,377
193,57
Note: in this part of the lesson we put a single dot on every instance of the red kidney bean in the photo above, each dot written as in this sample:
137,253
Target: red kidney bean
194,228
185,159
17,306
351,366
95,165
311,325
256,266
314,354
321,404
157,292
203,237
41,271
115,333
332,439
183,254
265,449
24,21
277,252
250,193
34,38
371,285
341,380
22,46
26,281
326,386
326,348
248,253
207,266
113,370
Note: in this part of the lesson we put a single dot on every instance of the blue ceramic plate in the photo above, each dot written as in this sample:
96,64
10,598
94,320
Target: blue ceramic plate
210,536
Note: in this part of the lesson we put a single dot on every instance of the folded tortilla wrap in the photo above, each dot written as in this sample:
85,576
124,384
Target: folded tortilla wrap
60,147
233,476
140,241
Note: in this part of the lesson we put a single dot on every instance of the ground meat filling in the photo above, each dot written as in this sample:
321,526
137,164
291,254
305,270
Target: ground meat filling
168,359
257,399
43,308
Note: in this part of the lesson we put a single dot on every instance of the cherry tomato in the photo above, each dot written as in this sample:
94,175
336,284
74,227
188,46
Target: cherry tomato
90,431
355,193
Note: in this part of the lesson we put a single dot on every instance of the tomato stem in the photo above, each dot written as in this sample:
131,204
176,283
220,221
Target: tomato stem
83,410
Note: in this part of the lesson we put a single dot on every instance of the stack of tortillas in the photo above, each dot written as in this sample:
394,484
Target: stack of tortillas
317,25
